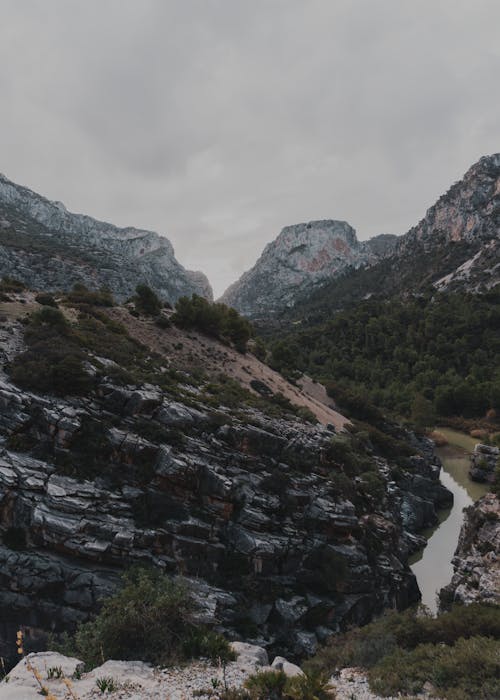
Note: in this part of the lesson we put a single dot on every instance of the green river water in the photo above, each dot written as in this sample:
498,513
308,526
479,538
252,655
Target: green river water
432,565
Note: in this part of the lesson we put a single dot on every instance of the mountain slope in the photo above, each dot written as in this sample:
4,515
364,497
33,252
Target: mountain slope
316,268
301,259
47,247
149,453
455,247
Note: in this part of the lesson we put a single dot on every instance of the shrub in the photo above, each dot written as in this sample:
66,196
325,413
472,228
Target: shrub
469,669
310,686
81,296
151,619
215,320
395,633
275,685
46,299
106,684
146,301
266,685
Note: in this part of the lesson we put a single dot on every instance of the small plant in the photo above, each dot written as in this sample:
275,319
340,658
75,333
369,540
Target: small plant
266,685
54,672
310,686
106,684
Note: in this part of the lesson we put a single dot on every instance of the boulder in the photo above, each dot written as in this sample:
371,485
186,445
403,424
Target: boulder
250,654
289,669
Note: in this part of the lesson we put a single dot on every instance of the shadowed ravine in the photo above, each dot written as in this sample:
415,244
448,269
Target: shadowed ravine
432,565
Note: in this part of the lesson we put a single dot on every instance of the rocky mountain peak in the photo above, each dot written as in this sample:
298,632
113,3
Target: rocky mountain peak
463,228
48,247
303,257
468,211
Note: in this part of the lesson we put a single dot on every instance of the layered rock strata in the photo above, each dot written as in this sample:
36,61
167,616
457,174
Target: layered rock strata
246,508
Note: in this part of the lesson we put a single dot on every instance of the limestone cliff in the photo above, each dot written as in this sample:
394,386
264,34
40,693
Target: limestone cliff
455,246
476,563
47,247
298,261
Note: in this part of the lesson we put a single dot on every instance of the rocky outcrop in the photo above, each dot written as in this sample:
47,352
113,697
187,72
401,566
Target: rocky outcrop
455,246
476,563
483,463
464,228
246,507
47,247
302,258
469,211
135,680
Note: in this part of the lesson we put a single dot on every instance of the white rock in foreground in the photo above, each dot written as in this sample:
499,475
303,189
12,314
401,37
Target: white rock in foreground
250,654
289,669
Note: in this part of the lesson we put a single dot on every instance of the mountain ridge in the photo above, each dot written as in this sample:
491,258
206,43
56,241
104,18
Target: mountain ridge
303,257
455,245
46,246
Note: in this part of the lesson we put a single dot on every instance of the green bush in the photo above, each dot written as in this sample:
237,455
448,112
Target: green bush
310,686
81,296
152,618
146,301
46,300
53,362
469,669
275,685
215,320
399,648
266,685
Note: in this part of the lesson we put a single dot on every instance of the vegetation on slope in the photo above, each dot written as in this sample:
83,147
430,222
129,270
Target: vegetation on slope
443,348
151,618
396,276
216,320
458,652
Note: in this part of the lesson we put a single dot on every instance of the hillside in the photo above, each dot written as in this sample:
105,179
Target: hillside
443,348
456,247
49,248
117,452
314,269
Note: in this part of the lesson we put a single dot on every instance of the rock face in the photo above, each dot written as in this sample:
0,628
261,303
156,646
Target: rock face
483,463
47,247
298,261
247,507
455,246
476,563
465,220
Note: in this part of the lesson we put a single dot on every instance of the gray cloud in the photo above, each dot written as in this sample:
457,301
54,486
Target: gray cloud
217,122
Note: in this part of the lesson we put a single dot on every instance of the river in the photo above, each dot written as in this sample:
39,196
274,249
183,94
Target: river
432,565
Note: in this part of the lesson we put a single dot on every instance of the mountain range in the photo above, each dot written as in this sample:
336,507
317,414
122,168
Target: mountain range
47,247
455,246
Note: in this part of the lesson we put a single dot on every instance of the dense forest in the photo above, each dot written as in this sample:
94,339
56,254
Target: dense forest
437,352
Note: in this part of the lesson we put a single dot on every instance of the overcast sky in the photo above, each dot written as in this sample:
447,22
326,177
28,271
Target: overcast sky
218,122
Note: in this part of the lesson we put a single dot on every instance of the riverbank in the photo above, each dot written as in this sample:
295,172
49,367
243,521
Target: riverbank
433,565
